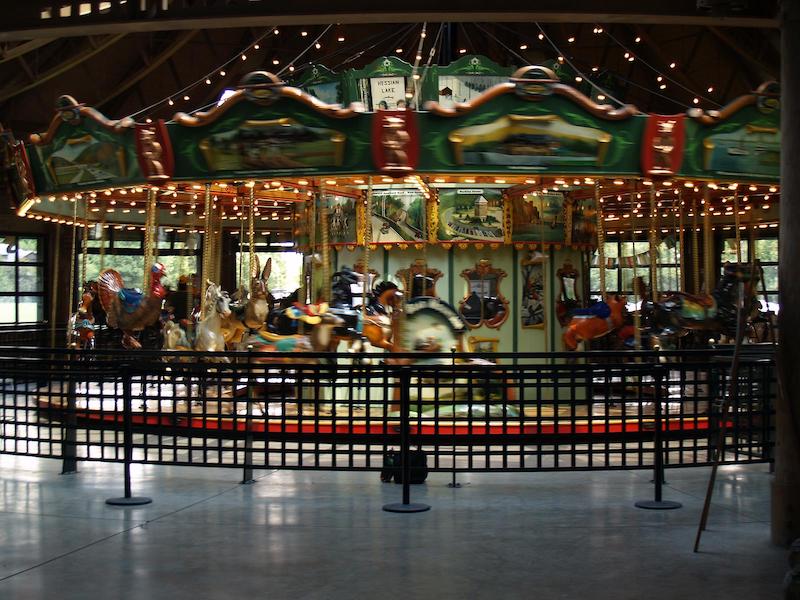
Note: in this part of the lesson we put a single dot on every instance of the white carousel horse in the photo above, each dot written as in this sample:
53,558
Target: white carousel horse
210,336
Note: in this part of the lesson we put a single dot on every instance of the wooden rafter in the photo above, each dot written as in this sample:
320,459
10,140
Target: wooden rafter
15,89
22,49
154,63
764,71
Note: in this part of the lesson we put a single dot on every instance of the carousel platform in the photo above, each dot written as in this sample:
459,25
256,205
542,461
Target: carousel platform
228,409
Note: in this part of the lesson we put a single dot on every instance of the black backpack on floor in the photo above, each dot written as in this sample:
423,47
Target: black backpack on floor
418,463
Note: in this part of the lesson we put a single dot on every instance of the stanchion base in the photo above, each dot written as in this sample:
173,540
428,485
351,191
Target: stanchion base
132,501
247,481
658,504
399,507
454,485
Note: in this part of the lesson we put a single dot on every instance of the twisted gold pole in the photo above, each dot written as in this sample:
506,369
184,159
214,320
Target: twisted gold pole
695,249
85,242
207,236
326,250
601,240
367,241
737,221
251,233
681,246
708,243
653,239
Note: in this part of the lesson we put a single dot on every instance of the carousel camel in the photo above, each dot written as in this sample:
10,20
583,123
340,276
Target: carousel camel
600,319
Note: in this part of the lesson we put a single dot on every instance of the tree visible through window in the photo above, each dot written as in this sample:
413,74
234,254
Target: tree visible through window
22,282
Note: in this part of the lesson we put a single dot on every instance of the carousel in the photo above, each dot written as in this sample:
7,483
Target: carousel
453,231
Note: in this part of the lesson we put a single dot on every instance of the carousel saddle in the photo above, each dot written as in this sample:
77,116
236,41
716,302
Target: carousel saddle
693,307
131,299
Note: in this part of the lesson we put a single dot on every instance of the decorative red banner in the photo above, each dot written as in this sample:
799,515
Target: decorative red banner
154,151
395,141
662,145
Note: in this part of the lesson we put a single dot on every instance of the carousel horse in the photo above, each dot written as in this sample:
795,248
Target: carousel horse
174,337
321,321
80,330
347,305
377,327
596,321
210,336
716,312
252,314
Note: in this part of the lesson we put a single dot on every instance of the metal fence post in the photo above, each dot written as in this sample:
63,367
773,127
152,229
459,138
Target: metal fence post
69,436
658,449
454,483
406,506
247,476
127,399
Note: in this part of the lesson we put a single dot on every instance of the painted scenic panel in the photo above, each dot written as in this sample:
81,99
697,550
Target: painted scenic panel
342,220
273,144
85,160
538,218
398,216
530,141
471,214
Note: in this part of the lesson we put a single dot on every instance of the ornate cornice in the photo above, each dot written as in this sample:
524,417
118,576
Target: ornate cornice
68,110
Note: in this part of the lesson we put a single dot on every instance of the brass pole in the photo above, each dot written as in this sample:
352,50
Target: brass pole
681,247
206,261
708,243
695,249
367,241
653,239
737,221
637,314
251,233
326,250
601,239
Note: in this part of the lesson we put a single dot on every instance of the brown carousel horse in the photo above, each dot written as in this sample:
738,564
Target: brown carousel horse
594,322
378,322
81,326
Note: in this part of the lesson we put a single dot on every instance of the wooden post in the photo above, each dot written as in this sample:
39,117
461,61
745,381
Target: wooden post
786,483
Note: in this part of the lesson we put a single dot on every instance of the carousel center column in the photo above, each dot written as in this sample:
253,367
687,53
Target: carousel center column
786,483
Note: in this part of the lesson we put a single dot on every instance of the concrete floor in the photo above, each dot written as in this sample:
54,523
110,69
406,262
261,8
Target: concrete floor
323,535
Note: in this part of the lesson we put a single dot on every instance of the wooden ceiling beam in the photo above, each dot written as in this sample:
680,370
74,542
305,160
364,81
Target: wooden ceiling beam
168,53
23,49
763,70
15,90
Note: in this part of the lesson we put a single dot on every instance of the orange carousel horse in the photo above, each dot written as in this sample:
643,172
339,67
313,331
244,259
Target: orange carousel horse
602,318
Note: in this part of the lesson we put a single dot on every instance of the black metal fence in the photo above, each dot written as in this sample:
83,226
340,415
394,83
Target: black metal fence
528,412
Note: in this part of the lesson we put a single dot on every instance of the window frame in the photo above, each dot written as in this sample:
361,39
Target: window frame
41,262
621,242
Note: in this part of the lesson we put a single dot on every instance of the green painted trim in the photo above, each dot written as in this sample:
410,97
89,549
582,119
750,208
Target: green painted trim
515,302
451,279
